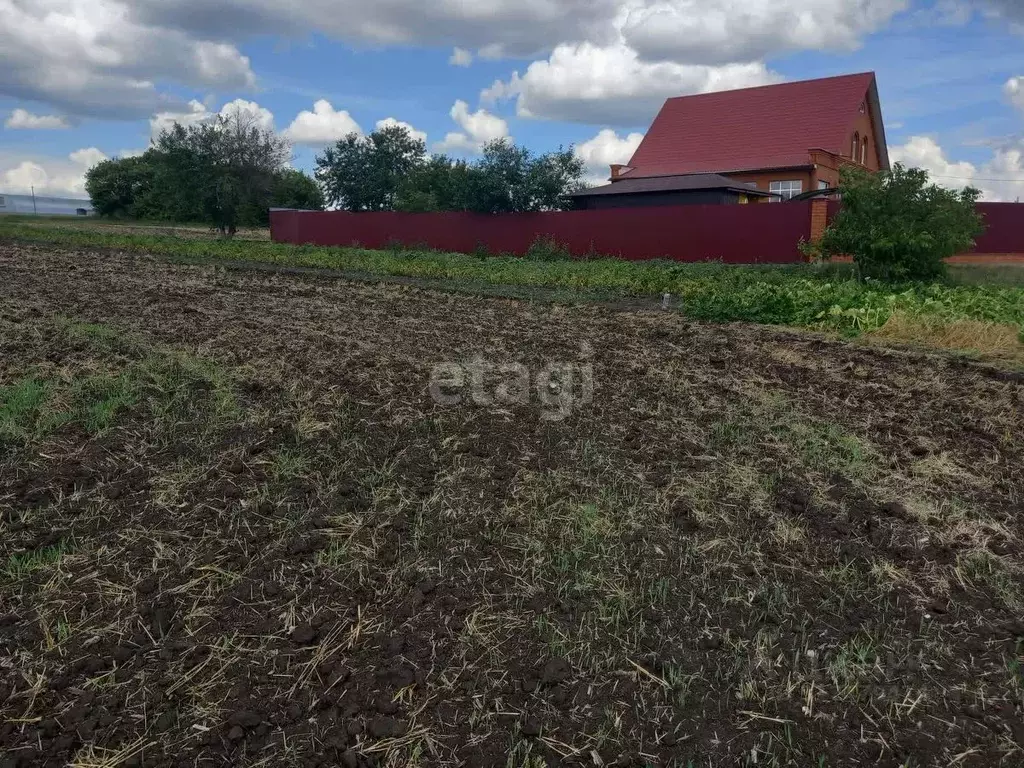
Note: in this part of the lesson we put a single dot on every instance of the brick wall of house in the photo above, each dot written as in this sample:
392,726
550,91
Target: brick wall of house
864,127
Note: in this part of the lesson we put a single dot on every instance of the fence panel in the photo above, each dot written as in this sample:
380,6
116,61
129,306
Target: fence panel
738,234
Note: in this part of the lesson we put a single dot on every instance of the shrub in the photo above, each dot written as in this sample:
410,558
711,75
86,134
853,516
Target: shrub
547,249
897,226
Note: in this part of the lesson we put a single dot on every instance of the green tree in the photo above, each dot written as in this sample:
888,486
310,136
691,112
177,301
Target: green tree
227,172
122,187
185,173
510,179
365,173
294,189
898,226
245,158
439,184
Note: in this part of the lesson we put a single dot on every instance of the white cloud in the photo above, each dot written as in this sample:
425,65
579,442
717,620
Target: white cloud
1014,90
999,179
611,85
324,125
478,128
96,58
606,148
23,119
61,177
461,58
729,31
390,121
263,116
195,114
198,113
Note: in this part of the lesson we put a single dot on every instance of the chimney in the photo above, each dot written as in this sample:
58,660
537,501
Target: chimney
619,170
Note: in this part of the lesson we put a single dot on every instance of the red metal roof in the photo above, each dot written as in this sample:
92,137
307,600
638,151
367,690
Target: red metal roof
773,126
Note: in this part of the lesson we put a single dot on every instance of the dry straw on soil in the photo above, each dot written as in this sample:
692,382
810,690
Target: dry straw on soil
235,529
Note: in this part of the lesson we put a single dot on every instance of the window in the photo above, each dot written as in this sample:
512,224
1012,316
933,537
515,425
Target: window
855,147
824,185
864,153
786,189
2,203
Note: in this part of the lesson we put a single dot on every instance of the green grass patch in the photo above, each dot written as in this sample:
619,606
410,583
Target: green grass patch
823,297
121,374
23,564
21,405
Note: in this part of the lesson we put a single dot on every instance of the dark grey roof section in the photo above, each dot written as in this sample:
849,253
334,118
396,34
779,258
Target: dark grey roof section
672,184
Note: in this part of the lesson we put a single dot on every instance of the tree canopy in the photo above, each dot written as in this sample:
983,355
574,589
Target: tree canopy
390,170
364,173
229,173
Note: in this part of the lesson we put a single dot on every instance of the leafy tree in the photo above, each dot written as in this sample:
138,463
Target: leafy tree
122,187
439,184
898,226
510,179
365,173
294,189
388,170
227,172
243,159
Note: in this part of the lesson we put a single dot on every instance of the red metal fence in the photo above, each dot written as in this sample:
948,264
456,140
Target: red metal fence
730,233
736,234
1005,228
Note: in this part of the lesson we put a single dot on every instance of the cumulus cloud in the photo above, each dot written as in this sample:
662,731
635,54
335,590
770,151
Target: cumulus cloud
460,58
324,125
728,31
197,113
605,149
22,119
478,128
1014,90
390,121
59,177
95,58
264,117
1000,179
611,85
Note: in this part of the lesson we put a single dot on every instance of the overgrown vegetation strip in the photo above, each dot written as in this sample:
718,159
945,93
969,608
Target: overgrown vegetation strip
821,297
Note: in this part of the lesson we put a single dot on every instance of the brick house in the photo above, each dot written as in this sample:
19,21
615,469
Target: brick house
784,139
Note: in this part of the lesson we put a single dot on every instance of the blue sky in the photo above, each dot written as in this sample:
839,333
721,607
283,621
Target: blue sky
85,79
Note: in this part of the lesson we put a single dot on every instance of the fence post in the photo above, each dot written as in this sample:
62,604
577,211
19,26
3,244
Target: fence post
819,219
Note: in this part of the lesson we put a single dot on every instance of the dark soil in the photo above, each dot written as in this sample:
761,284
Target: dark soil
238,529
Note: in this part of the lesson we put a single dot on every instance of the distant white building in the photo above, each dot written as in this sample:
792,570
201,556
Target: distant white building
45,206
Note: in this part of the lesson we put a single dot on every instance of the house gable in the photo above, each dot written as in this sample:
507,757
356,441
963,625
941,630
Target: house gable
771,127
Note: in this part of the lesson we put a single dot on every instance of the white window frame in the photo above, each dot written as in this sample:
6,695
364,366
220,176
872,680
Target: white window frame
864,151
823,185
786,189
